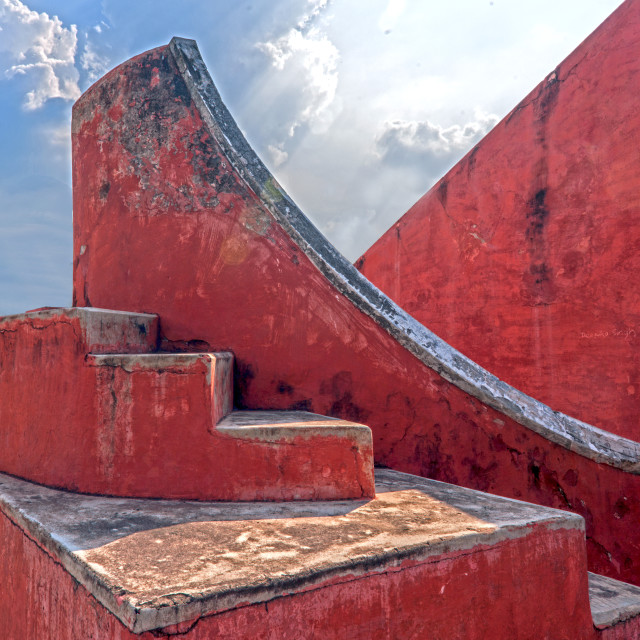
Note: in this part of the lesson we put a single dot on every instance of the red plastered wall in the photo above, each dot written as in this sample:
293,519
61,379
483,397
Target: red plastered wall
525,255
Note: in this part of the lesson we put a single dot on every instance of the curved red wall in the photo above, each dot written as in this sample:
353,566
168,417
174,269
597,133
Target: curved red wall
525,255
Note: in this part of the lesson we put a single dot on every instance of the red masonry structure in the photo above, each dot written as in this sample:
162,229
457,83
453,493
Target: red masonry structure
174,214
165,465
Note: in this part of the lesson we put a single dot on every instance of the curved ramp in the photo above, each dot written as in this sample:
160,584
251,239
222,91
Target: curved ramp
175,214
452,365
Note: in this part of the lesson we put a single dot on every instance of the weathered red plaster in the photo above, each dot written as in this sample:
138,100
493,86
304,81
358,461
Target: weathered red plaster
186,238
486,593
524,256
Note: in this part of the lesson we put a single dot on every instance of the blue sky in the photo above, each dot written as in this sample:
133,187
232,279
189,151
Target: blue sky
357,107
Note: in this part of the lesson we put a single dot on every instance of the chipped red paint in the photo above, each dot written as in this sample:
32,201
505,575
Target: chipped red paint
145,426
401,603
187,239
524,256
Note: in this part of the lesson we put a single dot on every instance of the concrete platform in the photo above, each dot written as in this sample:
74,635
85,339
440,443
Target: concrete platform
433,547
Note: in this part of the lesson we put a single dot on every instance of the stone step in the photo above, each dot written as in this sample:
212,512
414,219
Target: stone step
89,329
157,369
152,430
421,559
49,411
300,455
114,424
147,421
612,601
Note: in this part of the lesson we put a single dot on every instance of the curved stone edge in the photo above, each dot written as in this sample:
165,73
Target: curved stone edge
577,436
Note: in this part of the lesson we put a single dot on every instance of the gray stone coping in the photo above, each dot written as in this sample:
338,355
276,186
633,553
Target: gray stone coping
155,563
575,435
276,426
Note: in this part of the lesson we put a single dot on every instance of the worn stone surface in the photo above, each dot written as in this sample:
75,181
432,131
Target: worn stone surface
307,330
158,563
287,425
612,601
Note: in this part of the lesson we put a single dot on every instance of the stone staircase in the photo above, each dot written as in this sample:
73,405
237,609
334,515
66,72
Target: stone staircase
96,408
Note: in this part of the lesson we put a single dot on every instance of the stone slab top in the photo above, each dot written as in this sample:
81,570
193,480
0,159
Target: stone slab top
612,601
275,426
44,313
103,330
155,563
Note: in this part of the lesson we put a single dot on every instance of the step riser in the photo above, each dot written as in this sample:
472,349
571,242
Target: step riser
105,430
316,468
295,455
157,369
156,417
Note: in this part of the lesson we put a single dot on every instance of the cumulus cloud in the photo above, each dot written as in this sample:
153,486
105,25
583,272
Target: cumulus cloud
95,63
311,60
41,48
404,142
407,157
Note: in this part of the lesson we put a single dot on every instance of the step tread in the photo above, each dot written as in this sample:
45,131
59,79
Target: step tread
73,312
134,555
275,425
612,601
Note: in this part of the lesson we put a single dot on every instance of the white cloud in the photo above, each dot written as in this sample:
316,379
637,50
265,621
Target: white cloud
93,62
278,155
310,60
59,135
317,7
42,49
408,142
